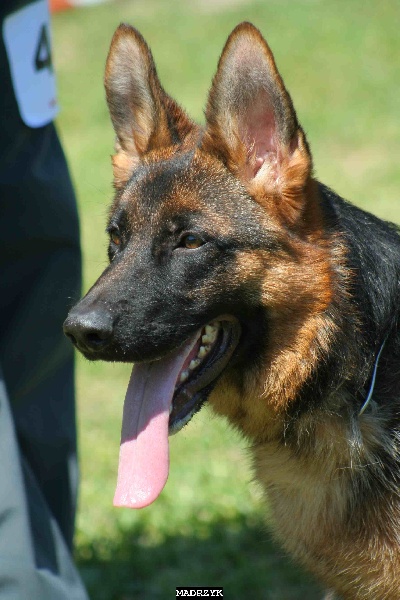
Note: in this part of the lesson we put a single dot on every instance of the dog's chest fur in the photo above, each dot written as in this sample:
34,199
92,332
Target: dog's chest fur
318,513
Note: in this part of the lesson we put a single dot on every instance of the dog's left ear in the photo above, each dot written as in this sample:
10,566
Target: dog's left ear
251,125
144,117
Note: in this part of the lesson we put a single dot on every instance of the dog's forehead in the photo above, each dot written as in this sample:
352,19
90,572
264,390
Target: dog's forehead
182,183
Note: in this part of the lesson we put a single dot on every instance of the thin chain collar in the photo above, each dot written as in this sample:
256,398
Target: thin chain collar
372,386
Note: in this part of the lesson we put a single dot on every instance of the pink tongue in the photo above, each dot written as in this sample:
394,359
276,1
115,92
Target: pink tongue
144,456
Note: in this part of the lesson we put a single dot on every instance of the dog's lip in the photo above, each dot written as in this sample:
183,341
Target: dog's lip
191,394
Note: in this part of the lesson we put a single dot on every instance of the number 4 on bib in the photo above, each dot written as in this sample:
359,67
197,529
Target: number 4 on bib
27,40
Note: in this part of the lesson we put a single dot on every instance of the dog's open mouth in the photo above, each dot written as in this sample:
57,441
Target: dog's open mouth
205,362
162,397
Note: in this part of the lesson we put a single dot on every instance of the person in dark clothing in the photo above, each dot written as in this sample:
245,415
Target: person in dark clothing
40,279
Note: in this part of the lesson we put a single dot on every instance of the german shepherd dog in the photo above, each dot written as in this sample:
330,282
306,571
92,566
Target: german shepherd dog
237,279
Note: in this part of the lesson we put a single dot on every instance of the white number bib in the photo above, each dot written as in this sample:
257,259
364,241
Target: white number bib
27,39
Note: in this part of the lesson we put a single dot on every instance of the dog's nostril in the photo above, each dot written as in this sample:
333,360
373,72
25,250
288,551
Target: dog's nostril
96,338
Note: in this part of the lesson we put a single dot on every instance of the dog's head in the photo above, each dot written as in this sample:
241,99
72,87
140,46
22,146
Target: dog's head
215,261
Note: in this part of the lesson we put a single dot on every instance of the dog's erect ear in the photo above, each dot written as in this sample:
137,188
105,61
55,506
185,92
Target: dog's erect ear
251,124
144,116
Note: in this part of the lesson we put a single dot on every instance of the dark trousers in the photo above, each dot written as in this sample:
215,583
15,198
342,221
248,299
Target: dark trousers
39,280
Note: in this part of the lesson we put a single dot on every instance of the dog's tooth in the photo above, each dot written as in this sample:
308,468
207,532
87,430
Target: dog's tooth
213,336
202,352
209,337
184,376
210,329
194,363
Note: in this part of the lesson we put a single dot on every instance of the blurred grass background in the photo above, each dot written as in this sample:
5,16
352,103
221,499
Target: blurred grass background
340,61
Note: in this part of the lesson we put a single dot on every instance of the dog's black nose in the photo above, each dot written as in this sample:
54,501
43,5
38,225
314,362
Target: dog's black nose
89,330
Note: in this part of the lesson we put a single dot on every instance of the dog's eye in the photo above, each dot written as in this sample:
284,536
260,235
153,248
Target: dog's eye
115,237
191,241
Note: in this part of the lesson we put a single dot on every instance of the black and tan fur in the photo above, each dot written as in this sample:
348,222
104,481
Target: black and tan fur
313,281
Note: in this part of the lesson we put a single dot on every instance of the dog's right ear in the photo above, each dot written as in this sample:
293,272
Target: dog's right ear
144,117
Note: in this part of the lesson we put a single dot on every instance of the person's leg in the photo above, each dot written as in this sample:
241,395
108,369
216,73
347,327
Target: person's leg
35,562
40,271
40,277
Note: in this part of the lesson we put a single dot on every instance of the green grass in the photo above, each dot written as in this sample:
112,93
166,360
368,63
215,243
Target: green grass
340,62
